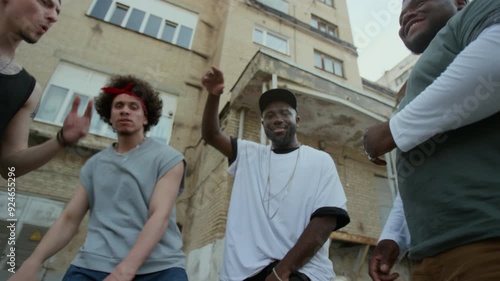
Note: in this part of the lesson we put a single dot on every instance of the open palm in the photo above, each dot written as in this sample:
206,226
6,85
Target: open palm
76,127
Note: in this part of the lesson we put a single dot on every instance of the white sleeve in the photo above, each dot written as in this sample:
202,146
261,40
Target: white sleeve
241,146
396,228
466,92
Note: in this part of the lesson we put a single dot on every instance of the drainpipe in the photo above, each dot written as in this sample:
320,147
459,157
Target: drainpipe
263,137
274,81
391,174
242,123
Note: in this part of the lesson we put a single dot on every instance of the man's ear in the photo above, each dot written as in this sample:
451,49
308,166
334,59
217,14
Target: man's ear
461,4
297,120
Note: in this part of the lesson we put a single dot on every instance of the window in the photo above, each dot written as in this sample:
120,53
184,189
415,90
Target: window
280,5
156,19
153,26
327,2
69,81
328,64
324,27
168,31
101,9
184,36
135,20
163,130
275,42
119,14
403,77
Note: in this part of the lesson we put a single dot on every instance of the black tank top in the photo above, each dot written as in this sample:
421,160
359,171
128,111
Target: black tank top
15,90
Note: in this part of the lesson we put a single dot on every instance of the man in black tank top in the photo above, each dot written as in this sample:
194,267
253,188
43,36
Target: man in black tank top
20,94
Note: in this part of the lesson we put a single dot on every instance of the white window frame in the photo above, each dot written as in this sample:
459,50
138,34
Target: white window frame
168,111
265,34
68,99
280,5
165,11
323,57
325,2
329,26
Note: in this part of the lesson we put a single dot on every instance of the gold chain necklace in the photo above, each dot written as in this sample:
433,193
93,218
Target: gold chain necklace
286,188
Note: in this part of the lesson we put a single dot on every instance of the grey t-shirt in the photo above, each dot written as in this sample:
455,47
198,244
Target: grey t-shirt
119,190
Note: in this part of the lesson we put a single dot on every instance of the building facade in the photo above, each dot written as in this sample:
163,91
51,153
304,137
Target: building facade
395,77
303,45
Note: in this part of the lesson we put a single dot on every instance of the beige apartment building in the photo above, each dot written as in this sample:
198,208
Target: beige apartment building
303,45
395,77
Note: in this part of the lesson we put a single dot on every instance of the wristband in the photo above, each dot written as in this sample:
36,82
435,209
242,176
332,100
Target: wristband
60,138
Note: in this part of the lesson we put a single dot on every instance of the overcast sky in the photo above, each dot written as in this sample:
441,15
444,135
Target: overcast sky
375,30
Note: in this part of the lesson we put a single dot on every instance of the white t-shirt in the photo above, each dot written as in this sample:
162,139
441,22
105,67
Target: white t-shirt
260,231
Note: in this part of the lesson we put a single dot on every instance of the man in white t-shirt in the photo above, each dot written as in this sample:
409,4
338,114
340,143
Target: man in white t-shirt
286,199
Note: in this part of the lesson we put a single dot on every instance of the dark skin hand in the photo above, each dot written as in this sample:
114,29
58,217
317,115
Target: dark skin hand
312,239
378,141
382,260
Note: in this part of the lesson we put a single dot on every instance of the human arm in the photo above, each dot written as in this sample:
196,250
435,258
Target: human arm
471,81
312,239
161,204
14,147
328,214
210,129
467,92
58,236
392,245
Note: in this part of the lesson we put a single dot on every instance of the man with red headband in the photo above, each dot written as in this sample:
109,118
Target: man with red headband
20,94
130,189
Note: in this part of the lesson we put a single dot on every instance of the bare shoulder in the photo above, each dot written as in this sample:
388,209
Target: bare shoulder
33,103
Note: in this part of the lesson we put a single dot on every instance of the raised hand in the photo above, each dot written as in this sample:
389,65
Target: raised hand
76,127
213,81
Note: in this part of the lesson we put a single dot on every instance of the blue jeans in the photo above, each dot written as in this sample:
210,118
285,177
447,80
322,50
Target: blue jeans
76,273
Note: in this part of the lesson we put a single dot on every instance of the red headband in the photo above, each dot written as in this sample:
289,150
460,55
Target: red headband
127,90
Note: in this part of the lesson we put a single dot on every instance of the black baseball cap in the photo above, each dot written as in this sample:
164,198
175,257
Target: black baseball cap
278,94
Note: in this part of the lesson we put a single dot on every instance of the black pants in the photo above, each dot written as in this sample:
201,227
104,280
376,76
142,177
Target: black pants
261,276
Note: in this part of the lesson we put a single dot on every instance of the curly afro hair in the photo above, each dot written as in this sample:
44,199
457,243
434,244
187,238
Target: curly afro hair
142,89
